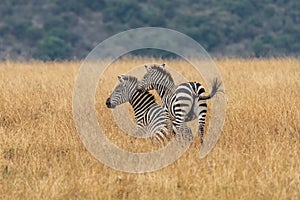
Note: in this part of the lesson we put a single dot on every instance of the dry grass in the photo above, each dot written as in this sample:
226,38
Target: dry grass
257,156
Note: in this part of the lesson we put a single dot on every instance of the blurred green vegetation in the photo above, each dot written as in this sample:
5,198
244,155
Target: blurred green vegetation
69,29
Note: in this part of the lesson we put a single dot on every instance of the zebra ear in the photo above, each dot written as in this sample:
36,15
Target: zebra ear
121,78
146,67
162,65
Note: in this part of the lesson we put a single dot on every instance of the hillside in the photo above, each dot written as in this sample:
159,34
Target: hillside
69,29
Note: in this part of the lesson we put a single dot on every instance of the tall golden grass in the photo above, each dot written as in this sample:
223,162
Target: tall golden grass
256,157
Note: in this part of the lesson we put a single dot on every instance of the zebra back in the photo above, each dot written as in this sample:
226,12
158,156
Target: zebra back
159,79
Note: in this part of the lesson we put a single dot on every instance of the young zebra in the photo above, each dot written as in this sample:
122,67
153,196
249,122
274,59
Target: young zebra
184,102
150,117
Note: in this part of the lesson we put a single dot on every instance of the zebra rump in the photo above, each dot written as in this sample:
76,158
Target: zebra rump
184,102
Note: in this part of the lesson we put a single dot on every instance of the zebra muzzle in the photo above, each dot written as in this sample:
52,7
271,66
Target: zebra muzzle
108,104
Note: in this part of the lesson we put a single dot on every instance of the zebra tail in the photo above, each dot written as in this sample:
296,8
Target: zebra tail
215,88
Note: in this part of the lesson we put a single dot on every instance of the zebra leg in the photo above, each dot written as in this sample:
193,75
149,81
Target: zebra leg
156,141
202,110
160,137
171,129
183,133
188,135
141,131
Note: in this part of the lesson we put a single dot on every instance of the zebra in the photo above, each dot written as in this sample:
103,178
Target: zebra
184,102
150,117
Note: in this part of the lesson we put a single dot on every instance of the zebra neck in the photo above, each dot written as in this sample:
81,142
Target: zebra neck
164,91
132,93
141,102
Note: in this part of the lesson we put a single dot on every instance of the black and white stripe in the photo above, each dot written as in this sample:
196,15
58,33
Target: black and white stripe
151,118
184,102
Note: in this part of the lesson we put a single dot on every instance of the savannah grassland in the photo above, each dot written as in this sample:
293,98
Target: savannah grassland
256,157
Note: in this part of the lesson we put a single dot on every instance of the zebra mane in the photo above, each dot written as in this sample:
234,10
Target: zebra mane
129,78
163,71
133,79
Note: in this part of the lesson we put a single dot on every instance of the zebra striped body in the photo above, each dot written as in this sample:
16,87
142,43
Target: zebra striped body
151,118
184,102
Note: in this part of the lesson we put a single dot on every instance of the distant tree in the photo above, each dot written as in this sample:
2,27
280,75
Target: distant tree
76,7
52,48
54,23
95,4
262,46
20,27
33,34
121,11
152,18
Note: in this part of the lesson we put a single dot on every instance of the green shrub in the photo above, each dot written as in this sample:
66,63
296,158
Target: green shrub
52,48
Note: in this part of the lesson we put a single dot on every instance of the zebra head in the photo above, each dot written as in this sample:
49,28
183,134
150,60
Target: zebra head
150,78
122,91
